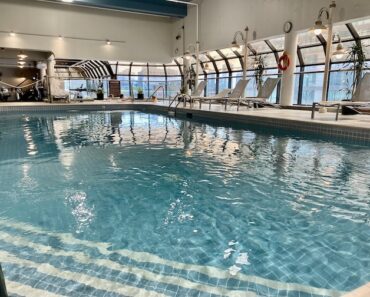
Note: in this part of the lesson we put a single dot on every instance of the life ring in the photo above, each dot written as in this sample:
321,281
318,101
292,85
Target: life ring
284,62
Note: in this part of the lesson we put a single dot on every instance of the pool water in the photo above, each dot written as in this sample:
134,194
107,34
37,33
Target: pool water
135,204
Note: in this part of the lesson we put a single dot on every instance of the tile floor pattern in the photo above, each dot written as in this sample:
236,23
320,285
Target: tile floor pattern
41,263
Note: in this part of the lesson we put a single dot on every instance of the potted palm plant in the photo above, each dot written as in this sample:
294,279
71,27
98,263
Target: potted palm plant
259,70
100,94
356,64
140,94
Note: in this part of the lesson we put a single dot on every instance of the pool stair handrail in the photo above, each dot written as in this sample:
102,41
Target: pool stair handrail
156,91
180,98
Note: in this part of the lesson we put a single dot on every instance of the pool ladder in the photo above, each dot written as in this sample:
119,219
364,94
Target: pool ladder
184,97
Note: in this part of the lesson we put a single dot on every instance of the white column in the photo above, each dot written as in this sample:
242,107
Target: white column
186,74
51,74
287,80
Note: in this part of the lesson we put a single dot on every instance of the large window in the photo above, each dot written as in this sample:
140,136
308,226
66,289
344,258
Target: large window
223,68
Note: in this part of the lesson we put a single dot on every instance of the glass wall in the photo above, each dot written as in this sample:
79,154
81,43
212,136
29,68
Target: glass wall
223,68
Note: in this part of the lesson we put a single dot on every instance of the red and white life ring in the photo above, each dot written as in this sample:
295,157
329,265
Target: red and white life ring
284,62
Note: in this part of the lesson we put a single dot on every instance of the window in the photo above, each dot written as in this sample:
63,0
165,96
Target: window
211,85
125,85
312,85
223,82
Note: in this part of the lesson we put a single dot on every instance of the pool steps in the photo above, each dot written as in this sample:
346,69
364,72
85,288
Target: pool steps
124,289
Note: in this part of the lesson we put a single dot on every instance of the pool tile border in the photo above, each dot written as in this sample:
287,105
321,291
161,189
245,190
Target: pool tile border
330,130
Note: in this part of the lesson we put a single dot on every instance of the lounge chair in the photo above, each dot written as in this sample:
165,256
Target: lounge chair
197,93
361,98
200,89
263,94
222,97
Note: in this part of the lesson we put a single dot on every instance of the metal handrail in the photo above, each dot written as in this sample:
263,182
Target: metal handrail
185,98
156,90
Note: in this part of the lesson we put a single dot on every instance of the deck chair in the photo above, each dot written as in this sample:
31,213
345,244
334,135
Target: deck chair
222,97
263,94
360,98
200,89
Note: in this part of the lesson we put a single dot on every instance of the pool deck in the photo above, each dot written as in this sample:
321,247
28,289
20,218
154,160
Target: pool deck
356,127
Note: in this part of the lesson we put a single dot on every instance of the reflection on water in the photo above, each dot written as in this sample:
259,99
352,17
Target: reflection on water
183,190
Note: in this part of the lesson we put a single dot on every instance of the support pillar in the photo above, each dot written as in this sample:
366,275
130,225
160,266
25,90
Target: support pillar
287,80
51,76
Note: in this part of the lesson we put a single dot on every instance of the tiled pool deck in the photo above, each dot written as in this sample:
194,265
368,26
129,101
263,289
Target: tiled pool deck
355,128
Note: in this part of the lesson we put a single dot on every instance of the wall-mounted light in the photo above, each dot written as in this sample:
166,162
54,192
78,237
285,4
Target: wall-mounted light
20,66
67,1
11,33
340,50
21,62
60,37
108,42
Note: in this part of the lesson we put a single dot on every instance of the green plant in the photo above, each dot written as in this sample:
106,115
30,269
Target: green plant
140,91
356,63
259,70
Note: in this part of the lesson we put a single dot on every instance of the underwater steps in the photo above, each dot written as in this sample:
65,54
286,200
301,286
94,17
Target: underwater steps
47,264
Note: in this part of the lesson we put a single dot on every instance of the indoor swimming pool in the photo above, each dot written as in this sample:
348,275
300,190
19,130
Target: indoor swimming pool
138,204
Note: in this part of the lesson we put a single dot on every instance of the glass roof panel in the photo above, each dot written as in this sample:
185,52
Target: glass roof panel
123,70
173,70
235,64
180,60
228,53
203,58
214,55
307,38
313,55
270,60
139,70
211,68
366,47
221,66
260,47
156,70
362,27
278,43
343,32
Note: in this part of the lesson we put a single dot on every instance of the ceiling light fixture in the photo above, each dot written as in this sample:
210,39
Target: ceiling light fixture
22,56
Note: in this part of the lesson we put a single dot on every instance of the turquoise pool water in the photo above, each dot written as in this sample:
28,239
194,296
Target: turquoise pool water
134,204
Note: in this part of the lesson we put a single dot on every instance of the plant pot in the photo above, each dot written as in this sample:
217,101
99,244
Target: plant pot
100,96
140,96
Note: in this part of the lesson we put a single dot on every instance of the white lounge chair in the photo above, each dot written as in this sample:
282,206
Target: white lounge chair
200,89
263,94
361,98
235,94
221,95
